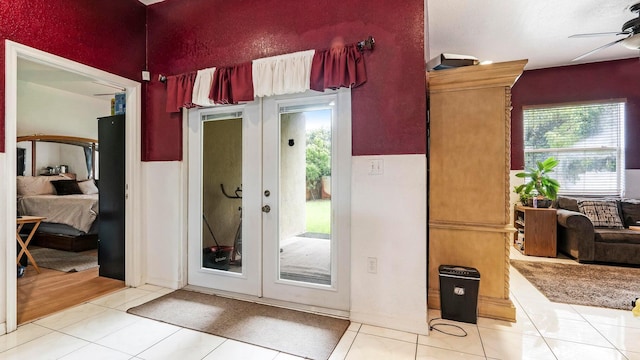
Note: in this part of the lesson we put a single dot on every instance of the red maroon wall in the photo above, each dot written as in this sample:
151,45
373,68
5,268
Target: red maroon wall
618,79
389,115
109,35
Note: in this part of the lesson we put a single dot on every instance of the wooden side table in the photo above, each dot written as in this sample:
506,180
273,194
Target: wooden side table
540,229
21,221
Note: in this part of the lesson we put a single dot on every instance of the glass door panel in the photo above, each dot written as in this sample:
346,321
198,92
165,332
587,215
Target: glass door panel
269,201
305,196
222,194
224,218
306,177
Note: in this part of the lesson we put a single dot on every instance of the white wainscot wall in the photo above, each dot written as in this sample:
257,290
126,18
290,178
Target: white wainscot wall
388,224
163,231
388,219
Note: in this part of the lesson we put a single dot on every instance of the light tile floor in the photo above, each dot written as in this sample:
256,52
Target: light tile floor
102,329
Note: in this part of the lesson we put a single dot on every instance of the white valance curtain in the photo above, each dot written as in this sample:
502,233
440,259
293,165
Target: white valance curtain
283,74
202,87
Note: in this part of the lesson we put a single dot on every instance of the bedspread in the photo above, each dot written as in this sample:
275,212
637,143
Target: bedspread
78,211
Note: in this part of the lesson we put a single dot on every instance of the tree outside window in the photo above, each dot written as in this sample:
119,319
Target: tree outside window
318,159
587,140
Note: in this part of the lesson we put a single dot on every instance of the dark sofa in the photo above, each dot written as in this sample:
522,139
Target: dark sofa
580,239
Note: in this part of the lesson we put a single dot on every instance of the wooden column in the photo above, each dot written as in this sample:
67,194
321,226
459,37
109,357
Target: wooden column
469,159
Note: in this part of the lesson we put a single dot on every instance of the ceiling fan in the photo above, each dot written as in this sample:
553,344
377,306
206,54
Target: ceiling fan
630,28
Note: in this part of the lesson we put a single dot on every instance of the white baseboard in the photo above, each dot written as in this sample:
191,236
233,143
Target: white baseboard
170,284
413,325
3,328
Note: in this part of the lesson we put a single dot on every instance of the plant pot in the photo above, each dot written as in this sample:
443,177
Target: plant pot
544,203
540,203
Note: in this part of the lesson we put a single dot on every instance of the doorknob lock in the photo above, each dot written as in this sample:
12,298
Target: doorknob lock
266,208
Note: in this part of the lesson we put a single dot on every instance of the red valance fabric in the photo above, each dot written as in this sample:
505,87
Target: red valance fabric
341,66
232,84
179,91
338,67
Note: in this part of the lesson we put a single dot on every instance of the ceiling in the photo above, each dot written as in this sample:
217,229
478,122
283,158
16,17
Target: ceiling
503,30
33,72
149,2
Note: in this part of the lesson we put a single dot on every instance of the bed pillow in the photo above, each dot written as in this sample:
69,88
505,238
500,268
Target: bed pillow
88,186
35,185
602,213
66,187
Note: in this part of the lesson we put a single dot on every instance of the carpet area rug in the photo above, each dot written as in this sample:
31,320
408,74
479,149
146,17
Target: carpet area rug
63,260
583,284
294,332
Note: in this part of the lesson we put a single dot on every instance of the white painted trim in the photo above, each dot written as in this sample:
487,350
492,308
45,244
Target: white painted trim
184,204
135,261
11,108
416,325
343,163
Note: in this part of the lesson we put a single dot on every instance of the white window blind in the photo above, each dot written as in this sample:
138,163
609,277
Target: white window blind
587,140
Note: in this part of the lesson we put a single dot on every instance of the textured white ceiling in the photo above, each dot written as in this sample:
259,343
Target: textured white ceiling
44,75
149,2
503,30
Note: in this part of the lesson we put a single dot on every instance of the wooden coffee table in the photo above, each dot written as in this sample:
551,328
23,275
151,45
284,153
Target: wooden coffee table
21,221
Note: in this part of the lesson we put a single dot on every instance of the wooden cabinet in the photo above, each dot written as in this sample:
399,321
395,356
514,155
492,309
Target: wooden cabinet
469,192
536,231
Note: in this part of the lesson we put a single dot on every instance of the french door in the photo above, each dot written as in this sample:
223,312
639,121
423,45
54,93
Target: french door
269,199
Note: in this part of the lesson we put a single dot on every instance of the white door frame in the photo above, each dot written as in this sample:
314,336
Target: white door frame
337,294
252,247
344,111
134,257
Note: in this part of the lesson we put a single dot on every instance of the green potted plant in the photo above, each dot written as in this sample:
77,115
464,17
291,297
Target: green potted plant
540,184
523,195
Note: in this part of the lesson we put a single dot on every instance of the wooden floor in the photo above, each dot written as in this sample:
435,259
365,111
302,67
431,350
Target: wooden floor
51,291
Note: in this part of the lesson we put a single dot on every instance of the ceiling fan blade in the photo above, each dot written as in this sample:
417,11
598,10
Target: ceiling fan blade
599,34
598,49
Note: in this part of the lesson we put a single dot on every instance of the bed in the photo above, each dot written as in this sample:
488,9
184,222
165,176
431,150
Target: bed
69,205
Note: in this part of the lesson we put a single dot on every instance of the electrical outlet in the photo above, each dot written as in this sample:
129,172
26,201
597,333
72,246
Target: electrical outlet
372,265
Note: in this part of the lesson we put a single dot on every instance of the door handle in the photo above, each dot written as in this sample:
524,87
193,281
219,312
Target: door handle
266,208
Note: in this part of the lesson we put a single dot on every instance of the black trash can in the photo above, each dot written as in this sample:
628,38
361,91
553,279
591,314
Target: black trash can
459,293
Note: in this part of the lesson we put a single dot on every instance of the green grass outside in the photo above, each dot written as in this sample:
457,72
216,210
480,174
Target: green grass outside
319,216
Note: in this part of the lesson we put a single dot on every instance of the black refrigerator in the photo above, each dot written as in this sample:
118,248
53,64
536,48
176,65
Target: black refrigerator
111,165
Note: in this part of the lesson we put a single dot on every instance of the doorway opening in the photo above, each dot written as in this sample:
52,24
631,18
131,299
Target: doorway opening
269,187
133,259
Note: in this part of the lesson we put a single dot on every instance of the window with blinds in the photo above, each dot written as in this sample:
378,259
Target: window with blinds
588,141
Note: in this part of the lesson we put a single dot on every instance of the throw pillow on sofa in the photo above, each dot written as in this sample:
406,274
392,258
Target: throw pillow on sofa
630,212
567,203
603,214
